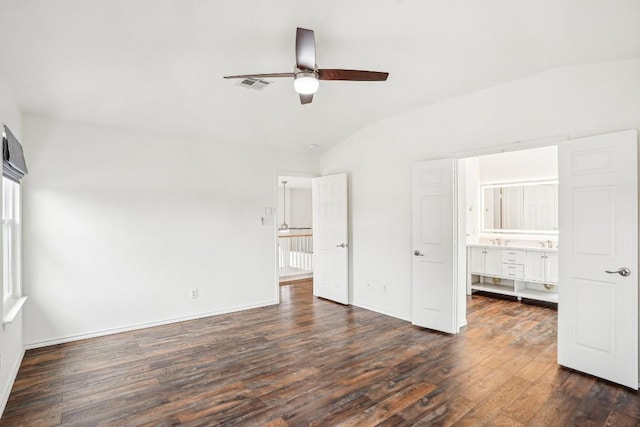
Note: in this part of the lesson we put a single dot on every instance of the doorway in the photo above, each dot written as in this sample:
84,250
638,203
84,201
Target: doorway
509,213
294,229
597,204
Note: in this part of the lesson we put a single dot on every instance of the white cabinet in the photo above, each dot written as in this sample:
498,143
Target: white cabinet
486,261
520,272
476,260
513,264
552,267
535,266
542,267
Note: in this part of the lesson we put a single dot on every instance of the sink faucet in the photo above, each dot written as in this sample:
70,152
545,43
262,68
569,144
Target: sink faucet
541,244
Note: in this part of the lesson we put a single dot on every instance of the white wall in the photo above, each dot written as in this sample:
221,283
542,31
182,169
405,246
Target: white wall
119,226
11,347
534,164
301,208
576,101
298,207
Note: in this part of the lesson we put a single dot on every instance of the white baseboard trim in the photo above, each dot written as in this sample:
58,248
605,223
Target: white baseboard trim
385,312
129,328
4,397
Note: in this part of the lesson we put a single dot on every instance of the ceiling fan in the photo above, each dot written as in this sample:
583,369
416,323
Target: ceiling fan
307,75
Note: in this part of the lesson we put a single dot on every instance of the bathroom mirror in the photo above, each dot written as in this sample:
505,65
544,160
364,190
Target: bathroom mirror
523,207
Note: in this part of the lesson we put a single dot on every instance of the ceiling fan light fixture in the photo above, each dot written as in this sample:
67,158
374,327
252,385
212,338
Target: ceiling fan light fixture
306,82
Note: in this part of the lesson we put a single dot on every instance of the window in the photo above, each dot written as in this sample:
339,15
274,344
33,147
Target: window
10,241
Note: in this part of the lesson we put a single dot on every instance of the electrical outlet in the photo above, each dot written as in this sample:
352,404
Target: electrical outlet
194,293
384,288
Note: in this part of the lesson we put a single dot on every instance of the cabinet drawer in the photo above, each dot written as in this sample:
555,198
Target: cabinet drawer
513,256
513,271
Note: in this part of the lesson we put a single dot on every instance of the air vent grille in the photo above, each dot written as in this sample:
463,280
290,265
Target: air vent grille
256,84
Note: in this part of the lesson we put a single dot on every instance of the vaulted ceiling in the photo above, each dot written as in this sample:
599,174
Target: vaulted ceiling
157,65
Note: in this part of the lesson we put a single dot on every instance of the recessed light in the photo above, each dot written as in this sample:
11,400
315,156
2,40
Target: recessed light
311,146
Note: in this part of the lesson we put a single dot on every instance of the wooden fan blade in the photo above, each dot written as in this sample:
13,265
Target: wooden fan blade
259,76
354,75
305,49
306,99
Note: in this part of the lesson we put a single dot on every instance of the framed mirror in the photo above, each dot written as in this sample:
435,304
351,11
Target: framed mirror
520,207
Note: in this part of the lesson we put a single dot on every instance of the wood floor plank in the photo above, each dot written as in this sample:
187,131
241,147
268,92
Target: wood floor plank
453,410
595,407
628,404
620,420
390,406
558,410
578,385
489,409
528,404
310,362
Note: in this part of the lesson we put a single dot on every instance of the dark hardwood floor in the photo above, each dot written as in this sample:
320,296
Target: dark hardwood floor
313,362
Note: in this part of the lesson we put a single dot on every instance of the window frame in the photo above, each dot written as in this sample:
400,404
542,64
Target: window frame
11,244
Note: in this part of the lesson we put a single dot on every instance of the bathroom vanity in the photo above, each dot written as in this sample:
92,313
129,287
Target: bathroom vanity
525,265
522,272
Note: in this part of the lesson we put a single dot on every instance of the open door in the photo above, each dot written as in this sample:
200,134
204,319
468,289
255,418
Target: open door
434,276
330,229
598,287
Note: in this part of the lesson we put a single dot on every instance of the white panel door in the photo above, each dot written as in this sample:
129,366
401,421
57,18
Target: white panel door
433,295
330,232
598,307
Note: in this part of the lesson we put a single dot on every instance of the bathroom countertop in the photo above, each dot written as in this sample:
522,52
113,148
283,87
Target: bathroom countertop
519,247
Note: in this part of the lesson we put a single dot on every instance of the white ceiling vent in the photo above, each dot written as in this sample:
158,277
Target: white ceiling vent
257,84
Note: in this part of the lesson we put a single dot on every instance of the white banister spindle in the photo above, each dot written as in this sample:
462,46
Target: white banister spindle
296,252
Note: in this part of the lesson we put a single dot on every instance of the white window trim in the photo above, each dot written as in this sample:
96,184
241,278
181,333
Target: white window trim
12,305
11,309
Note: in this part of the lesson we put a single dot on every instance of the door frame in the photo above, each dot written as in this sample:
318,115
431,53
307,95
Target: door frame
460,189
274,226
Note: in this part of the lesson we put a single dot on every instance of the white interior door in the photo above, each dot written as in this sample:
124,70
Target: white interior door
330,238
598,207
433,297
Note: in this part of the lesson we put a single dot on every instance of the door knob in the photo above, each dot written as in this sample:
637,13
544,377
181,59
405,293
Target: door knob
417,253
624,271
341,245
